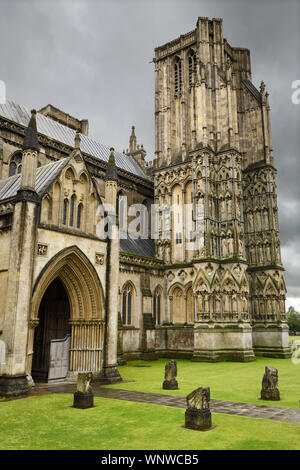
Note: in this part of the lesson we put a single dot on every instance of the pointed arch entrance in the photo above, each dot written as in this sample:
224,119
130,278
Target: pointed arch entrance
52,335
82,306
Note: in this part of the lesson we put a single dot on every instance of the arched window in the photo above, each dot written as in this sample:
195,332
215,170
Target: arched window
192,66
72,210
157,306
65,211
127,301
12,168
177,77
79,212
15,165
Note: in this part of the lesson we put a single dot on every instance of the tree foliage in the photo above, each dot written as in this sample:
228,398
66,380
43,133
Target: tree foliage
293,319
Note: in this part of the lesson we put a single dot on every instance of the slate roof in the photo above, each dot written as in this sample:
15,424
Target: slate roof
137,246
50,128
45,174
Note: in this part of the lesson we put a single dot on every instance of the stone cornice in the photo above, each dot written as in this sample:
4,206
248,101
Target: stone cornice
141,261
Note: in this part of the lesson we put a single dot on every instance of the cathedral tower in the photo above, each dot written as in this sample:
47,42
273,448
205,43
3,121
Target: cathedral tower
214,168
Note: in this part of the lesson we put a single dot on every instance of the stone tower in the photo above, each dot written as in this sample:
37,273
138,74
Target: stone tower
214,166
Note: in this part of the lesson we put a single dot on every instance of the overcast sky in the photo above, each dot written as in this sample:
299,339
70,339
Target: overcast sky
92,58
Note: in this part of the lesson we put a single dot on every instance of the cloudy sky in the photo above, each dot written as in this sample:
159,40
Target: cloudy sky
92,58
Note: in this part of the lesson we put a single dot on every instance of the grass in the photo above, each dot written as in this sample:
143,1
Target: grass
49,422
232,381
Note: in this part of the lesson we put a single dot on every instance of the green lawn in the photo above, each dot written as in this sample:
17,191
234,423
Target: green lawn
231,381
49,422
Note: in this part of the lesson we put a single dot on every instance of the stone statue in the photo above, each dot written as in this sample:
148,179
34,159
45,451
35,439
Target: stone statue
198,399
269,389
250,221
198,415
83,382
230,246
84,397
168,258
224,247
170,382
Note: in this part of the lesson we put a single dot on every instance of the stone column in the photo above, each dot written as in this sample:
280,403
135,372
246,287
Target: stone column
110,371
13,379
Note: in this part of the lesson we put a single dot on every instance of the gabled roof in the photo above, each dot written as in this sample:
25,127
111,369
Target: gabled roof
45,174
50,128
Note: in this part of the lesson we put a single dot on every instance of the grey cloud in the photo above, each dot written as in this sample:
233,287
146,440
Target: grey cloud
92,59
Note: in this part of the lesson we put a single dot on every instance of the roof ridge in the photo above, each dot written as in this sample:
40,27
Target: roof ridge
63,134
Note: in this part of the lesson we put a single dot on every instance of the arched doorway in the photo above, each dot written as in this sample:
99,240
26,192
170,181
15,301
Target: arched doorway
70,278
52,335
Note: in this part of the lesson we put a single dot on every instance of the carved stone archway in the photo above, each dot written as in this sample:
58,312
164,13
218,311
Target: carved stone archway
86,299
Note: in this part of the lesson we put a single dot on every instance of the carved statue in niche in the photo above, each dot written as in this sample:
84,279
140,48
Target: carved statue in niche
226,303
229,208
258,220
252,254
217,303
223,209
268,252
168,253
241,247
262,307
282,306
244,303
250,221
224,247
166,217
230,245
266,220
260,253
234,303
269,305
206,303
160,251
199,303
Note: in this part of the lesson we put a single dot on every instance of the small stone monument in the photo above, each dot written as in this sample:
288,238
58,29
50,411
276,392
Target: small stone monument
198,415
170,382
269,390
84,397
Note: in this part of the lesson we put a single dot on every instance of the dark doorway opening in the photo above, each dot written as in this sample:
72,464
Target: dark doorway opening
52,335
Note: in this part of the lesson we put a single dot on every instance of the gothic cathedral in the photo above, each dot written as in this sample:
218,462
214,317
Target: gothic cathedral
204,281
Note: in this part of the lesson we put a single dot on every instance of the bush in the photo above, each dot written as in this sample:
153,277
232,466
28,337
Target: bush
293,319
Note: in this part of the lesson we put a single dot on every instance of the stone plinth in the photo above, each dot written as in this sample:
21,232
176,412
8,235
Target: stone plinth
198,419
83,400
84,397
11,386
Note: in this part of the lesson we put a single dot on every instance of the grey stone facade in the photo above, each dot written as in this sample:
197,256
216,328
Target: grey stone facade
211,286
